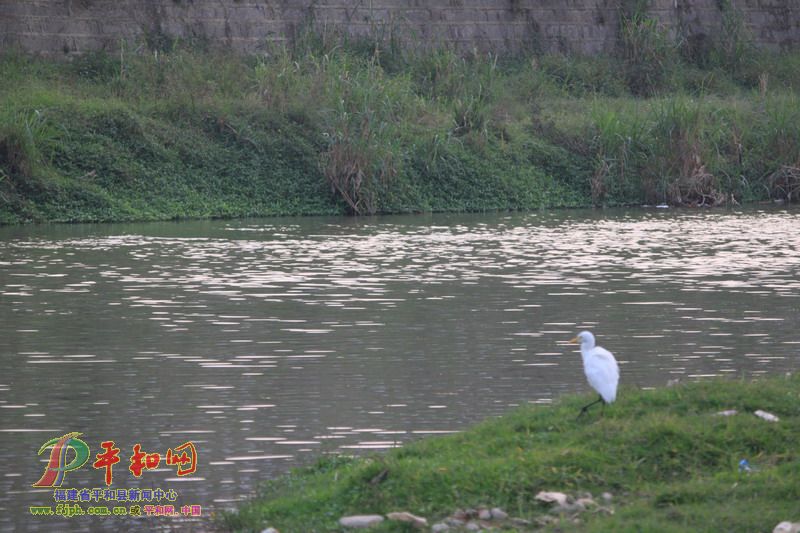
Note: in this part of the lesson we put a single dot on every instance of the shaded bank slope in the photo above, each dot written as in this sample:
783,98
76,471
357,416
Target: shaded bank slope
329,128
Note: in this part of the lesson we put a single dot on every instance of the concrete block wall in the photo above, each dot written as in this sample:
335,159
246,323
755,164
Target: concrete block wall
64,27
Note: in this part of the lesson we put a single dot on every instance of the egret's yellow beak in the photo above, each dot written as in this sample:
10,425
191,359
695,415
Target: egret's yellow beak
573,340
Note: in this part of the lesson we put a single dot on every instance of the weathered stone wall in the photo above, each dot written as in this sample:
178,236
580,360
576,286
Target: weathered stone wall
55,27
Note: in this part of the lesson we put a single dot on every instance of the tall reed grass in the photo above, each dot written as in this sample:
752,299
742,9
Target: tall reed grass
652,123
27,141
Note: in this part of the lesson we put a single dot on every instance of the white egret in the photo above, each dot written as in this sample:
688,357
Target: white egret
600,368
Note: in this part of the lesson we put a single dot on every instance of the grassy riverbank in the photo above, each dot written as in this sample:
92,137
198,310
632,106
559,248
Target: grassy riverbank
326,127
668,461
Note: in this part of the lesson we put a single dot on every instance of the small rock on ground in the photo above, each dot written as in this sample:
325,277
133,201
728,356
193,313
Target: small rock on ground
586,502
499,514
545,520
568,508
439,527
787,527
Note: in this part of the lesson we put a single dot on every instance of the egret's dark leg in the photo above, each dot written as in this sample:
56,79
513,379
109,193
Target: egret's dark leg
586,407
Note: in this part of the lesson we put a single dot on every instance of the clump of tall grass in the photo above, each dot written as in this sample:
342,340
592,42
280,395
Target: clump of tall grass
698,152
441,74
26,143
465,85
782,114
471,113
649,53
784,183
583,76
370,120
774,146
681,171
734,49
363,115
620,143
359,160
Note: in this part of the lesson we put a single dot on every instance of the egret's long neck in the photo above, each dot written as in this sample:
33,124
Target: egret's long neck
586,346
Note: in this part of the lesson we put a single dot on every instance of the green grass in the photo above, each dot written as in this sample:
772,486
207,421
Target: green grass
330,126
669,463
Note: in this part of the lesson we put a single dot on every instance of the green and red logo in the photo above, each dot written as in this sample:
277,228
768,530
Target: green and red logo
183,457
57,466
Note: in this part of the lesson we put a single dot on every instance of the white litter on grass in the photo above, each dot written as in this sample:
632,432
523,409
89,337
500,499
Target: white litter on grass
769,417
787,527
360,521
552,497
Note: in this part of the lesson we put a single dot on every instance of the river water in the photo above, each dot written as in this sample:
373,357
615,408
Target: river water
268,342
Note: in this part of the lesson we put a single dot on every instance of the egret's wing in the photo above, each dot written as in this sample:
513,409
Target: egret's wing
602,373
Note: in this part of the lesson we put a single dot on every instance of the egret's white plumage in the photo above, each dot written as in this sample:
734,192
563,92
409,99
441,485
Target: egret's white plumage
599,366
